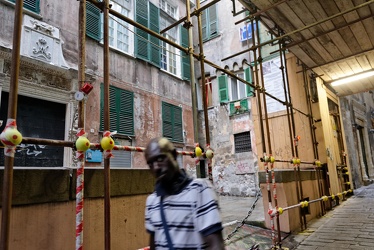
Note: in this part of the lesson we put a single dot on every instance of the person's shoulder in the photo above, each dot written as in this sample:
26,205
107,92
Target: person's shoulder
151,198
201,183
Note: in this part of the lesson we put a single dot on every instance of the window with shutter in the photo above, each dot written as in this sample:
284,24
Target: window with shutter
147,47
209,23
172,125
248,78
186,64
32,5
223,89
121,111
93,24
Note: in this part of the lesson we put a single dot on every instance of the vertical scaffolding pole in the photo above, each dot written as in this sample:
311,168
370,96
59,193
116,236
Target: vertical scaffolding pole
297,169
106,125
201,57
313,134
268,139
188,26
12,114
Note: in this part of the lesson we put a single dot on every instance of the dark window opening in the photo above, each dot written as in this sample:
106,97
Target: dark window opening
243,142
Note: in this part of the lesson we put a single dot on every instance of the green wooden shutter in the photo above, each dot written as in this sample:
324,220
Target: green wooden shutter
121,110
167,123
154,25
102,107
172,126
141,37
223,88
248,78
113,110
204,25
178,126
186,65
213,29
33,5
126,113
93,24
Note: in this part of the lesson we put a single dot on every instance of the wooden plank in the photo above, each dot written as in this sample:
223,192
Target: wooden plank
364,62
370,57
304,57
353,63
331,8
330,69
319,71
357,29
344,66
369,26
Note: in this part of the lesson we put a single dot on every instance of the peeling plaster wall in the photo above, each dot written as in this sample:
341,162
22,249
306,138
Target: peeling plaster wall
233,173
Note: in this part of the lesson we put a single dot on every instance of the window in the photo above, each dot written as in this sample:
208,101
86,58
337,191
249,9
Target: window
237,88
147,47
118,29
186,65
32,5
168,52
243,142
170,10
121,158
232,89
121,109
39,119
93,24
172,127
209,23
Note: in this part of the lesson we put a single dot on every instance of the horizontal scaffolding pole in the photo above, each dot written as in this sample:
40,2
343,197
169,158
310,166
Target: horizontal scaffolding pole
71,144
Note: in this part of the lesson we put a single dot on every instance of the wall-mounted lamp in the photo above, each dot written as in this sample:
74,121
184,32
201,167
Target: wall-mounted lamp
353,78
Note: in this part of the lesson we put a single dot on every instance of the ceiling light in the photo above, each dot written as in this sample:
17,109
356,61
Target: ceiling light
353,78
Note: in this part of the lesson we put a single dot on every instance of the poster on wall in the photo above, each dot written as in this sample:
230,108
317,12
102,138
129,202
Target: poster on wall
274,84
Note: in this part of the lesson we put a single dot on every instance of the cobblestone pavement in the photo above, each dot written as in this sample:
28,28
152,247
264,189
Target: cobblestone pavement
348,226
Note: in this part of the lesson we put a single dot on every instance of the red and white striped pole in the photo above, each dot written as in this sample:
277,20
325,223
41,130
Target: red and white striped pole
79,196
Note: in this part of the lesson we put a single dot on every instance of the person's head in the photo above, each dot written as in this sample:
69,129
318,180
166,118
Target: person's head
161,155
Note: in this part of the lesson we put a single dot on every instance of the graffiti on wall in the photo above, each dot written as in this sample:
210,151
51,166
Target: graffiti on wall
244,167
31,149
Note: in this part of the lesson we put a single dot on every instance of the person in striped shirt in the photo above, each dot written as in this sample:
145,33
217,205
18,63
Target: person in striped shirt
182,213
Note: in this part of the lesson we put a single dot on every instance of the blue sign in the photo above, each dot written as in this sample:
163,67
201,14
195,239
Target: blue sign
246,32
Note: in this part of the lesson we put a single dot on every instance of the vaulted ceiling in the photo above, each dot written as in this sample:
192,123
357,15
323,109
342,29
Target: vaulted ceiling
334,38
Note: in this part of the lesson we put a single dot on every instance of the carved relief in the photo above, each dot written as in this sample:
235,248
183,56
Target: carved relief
47,77
48,29
42,49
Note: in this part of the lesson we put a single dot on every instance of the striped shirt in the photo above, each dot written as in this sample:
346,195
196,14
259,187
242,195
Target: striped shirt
190,215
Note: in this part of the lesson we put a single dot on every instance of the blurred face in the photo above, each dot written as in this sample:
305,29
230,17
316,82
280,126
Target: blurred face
162,168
